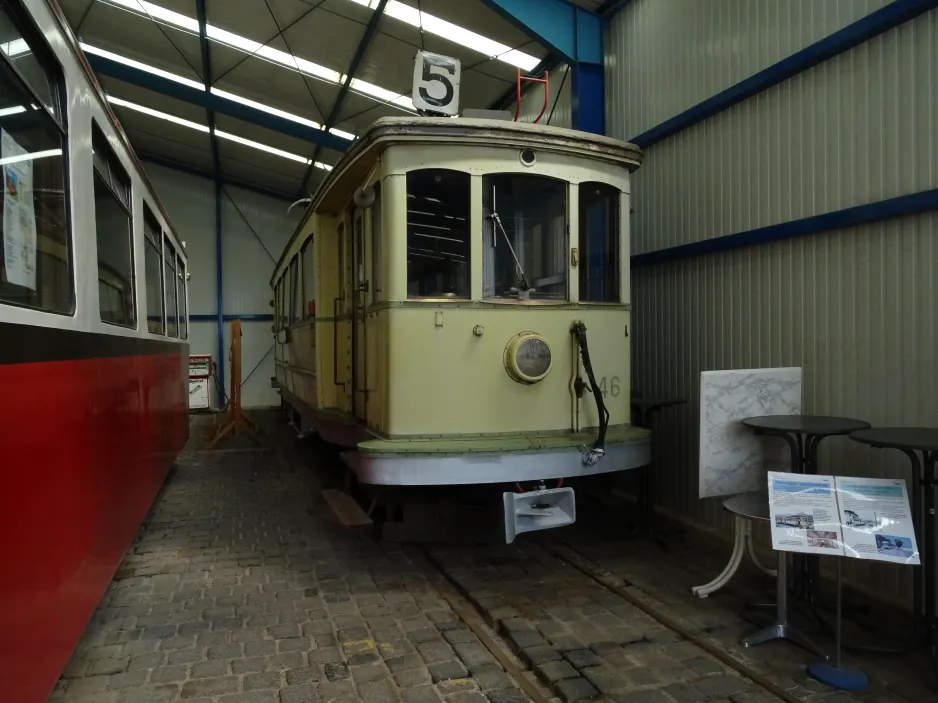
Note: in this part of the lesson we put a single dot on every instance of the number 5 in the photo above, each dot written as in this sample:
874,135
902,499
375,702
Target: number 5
430,75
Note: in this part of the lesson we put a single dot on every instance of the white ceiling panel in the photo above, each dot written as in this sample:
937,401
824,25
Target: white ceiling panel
281,88
168,142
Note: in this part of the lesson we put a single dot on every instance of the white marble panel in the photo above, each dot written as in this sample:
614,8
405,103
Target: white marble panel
732,458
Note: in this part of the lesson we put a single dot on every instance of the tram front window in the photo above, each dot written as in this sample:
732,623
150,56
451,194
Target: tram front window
525,237
438,205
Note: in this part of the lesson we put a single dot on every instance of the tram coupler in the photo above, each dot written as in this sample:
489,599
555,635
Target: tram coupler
538,510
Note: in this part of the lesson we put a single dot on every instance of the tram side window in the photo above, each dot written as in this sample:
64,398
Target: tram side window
438,247
153,265
112,212
599,243
296,293
181,298
169,277
285,298
35,247
309,279
524,236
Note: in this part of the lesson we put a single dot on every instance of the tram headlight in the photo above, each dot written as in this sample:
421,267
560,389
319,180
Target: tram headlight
528,358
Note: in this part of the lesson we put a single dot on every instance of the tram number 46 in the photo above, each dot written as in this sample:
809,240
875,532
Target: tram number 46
436,83
611,388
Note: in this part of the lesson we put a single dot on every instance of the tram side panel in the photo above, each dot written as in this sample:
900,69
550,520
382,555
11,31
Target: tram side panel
88,440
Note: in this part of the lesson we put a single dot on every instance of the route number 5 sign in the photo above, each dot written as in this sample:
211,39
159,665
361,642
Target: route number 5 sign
436,83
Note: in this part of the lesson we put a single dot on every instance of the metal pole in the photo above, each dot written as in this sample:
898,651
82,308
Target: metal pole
840,608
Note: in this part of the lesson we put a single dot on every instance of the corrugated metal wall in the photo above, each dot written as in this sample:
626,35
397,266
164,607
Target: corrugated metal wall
247,262
672,54
856,308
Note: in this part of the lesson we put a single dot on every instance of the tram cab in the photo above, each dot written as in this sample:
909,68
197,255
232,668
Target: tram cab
432,310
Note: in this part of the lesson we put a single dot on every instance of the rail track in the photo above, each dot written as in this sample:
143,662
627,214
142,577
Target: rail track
528,671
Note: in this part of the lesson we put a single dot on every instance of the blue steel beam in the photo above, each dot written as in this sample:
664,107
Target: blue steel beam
865,28
370,30
246,317
216,162
210,101
575,35
901,206
207,80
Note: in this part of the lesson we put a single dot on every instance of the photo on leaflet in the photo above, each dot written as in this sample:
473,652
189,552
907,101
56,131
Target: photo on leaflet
802,521
888,545
819,538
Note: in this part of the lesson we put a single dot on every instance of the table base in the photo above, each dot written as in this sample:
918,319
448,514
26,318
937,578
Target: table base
782,628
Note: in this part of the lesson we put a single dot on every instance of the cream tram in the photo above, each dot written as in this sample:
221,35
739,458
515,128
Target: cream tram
454,308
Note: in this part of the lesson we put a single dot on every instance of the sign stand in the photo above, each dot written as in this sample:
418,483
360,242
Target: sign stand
836,675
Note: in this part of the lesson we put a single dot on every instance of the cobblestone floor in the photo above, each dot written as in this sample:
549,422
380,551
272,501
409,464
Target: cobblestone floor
587,641
240,587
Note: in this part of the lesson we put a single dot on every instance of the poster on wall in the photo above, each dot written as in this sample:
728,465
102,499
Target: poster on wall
19,215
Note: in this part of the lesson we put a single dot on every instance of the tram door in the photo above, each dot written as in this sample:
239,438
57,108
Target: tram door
360,293
342,344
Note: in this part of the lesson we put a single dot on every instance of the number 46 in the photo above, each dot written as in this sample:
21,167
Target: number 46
613,388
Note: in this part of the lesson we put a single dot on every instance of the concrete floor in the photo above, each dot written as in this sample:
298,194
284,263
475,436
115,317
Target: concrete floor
241,587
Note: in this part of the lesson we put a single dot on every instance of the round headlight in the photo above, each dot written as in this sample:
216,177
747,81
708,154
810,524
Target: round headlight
527,357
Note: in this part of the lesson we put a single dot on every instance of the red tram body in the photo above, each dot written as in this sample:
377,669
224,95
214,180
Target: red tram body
93,346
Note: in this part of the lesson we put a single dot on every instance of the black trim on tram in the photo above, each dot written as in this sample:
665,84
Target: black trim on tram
29,344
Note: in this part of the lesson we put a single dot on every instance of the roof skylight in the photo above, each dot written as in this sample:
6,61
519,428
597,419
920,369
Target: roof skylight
218,133
251,47
224,94
454,33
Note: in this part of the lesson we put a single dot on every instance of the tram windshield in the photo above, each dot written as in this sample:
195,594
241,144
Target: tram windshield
438,212
525,237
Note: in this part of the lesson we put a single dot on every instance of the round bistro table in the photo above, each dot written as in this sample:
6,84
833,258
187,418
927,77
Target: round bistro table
804,433
913,441
755,506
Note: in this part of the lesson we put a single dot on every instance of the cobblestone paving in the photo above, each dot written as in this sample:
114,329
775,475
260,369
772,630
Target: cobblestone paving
586,641
239,589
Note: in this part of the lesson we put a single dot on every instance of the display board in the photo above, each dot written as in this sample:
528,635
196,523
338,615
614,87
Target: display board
861,518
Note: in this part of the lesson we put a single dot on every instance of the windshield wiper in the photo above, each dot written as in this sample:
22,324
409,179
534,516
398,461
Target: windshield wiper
523,282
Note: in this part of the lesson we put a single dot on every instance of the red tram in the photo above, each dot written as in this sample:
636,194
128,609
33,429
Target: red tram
93,346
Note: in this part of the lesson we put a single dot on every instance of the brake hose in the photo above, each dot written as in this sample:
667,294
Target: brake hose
592,456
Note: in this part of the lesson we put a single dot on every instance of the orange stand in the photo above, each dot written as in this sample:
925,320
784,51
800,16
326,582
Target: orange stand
235,420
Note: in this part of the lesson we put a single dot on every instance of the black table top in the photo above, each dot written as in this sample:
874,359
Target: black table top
817,425
922,438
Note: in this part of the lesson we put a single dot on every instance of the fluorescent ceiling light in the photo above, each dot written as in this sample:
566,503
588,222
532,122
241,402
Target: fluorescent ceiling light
30,156
340,133
267,108
158,13
159,115
261,147
218,133
455,33
15,110
88,49
249,46
15,47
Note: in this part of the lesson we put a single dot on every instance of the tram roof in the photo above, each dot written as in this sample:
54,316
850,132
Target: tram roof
354,165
